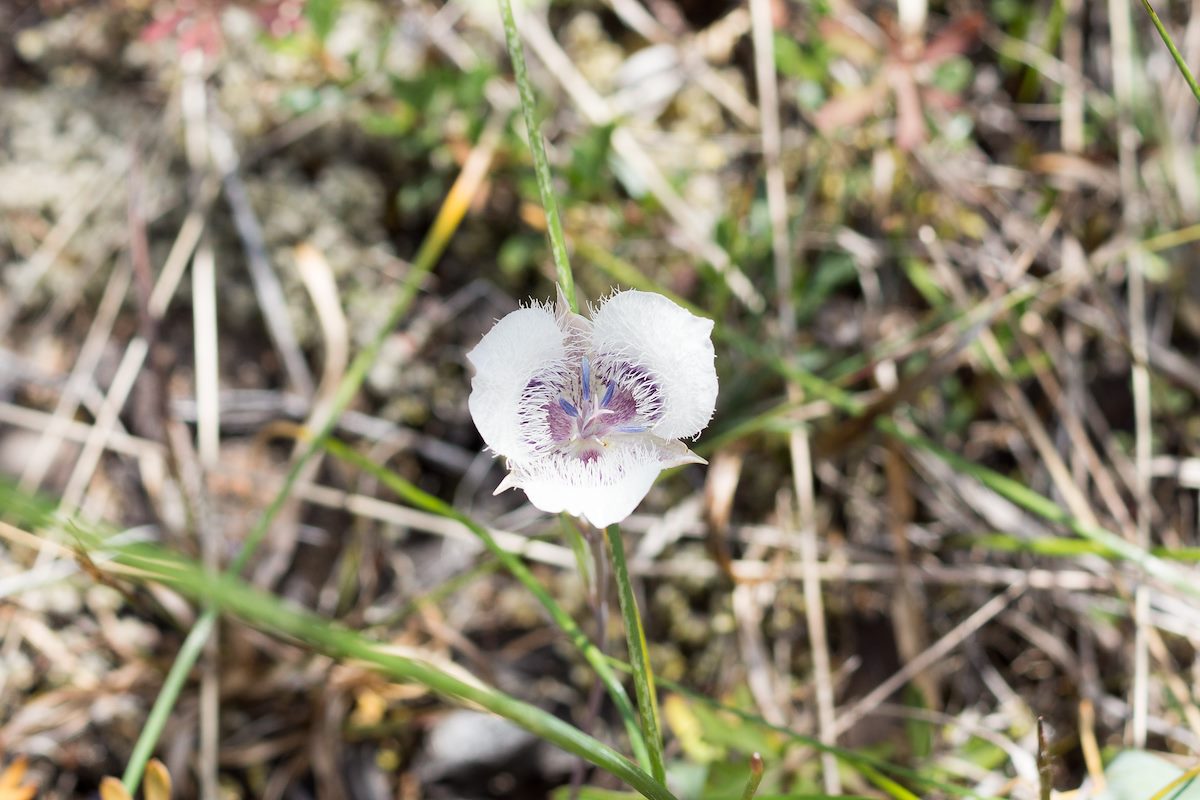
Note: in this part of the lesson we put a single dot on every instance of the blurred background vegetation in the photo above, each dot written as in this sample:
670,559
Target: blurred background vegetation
953,470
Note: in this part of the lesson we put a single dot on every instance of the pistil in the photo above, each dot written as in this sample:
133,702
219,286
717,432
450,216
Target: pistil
593,417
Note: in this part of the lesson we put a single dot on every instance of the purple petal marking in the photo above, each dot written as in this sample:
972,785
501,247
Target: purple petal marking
633,380
622,406
560,421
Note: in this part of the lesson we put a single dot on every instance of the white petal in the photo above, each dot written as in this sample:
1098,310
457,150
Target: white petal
671,342
525,344
604,491
601,505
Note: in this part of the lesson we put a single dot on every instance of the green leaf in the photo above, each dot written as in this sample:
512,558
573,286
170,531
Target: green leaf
953,75
1139,775
591,793
322,15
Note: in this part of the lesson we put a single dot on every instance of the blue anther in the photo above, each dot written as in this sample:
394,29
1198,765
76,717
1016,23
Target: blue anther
568,407
608,394
587,378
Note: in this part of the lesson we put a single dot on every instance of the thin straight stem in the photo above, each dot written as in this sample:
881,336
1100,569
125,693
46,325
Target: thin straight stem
192,647
635,635
537,148
1175,54
1123,69
599,594
1044,766
912,14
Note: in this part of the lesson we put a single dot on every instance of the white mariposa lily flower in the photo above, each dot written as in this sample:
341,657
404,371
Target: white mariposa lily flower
588,412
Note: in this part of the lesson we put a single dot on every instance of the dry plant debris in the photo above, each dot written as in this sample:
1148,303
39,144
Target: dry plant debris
158,785
953,468
12,781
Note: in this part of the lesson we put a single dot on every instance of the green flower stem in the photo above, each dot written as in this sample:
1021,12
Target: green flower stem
635,635
445,224
427,502
517,568
272,615
537,148
1175,54
756,774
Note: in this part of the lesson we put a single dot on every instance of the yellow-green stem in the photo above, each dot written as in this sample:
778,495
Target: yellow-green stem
1178,783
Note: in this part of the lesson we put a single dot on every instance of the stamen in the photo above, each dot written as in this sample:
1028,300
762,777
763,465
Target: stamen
581,426
608,394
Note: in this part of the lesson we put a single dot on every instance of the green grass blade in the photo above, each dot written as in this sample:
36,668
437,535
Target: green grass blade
272,615
537,148
635,634
454,207
866,765
888,785
1175,54
591,653
177,676
1047,509
1068,547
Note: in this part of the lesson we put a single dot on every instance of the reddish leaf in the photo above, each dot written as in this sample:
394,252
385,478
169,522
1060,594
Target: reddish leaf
953,40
